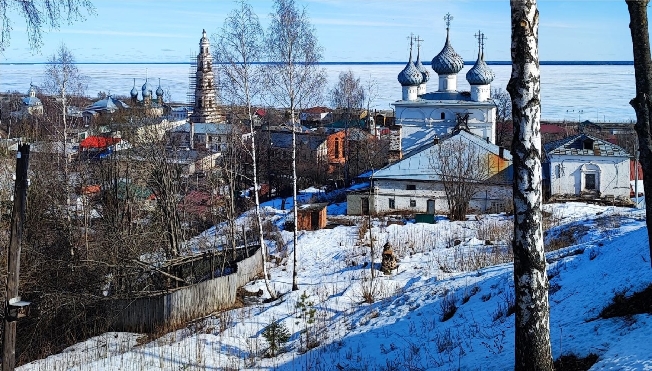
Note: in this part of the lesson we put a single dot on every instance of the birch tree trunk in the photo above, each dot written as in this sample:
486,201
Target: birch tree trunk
638,26
532,332
238,48
293,76
295,284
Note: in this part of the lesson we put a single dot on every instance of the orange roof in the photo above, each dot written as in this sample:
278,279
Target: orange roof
98,142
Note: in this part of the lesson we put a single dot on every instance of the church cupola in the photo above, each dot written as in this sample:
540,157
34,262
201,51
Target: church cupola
480,75
134,93
159,93
32,91
424,71
147,92
410,78
447,64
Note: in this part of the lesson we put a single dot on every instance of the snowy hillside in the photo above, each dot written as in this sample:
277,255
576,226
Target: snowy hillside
446,307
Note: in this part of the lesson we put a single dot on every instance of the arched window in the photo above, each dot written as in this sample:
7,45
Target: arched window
443,116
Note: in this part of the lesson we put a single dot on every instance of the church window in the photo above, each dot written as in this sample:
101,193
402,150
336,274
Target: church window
413,203
337,148
443,116
392,203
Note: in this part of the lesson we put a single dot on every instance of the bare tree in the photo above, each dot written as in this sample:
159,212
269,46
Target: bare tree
348,96
63,80
532,333
462,170
239,46
39,14
294,78
638,25
503,117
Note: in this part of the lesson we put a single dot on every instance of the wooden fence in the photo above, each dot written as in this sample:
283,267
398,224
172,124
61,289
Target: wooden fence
179,306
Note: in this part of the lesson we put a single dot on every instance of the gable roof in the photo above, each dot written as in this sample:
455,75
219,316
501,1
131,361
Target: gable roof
418,165
30,101
207,128
282,139
98,142
574,145
107,104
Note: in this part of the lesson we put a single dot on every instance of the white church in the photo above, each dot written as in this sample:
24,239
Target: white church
423,115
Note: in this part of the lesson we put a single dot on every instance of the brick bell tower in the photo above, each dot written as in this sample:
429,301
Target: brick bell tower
205,108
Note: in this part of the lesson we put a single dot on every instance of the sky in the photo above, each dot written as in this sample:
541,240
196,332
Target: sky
351,31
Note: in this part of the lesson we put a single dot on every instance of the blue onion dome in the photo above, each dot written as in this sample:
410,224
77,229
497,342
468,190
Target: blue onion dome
410,76
480,74
424,71
147,89
134,91
447,62
159,91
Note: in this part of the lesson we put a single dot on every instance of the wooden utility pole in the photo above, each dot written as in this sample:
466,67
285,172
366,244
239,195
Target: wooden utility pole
13,304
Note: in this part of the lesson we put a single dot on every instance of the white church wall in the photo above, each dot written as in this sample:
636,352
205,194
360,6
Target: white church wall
567,174
480,93
495,198
448,82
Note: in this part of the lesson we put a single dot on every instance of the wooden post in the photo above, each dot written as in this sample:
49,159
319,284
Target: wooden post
13,260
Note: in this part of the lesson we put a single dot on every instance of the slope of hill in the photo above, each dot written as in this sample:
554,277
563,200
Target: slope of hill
447,306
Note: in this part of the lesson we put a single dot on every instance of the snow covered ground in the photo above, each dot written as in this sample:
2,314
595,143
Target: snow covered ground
441,266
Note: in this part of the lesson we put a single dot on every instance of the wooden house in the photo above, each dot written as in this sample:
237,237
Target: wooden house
311,217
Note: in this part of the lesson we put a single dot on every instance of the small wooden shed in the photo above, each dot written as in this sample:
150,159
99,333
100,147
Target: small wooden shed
311,216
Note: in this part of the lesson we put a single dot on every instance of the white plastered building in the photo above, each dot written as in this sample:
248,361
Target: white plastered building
585,166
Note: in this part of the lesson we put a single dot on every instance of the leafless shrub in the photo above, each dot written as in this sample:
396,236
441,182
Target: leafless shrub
363,228
468,293
445,341
565,236
506,306
448,306
495,230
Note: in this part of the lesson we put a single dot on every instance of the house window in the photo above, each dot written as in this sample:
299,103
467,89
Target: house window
413,203
411,187
392,203
337,148
589,182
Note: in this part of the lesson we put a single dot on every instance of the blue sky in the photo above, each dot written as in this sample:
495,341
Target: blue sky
348,30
